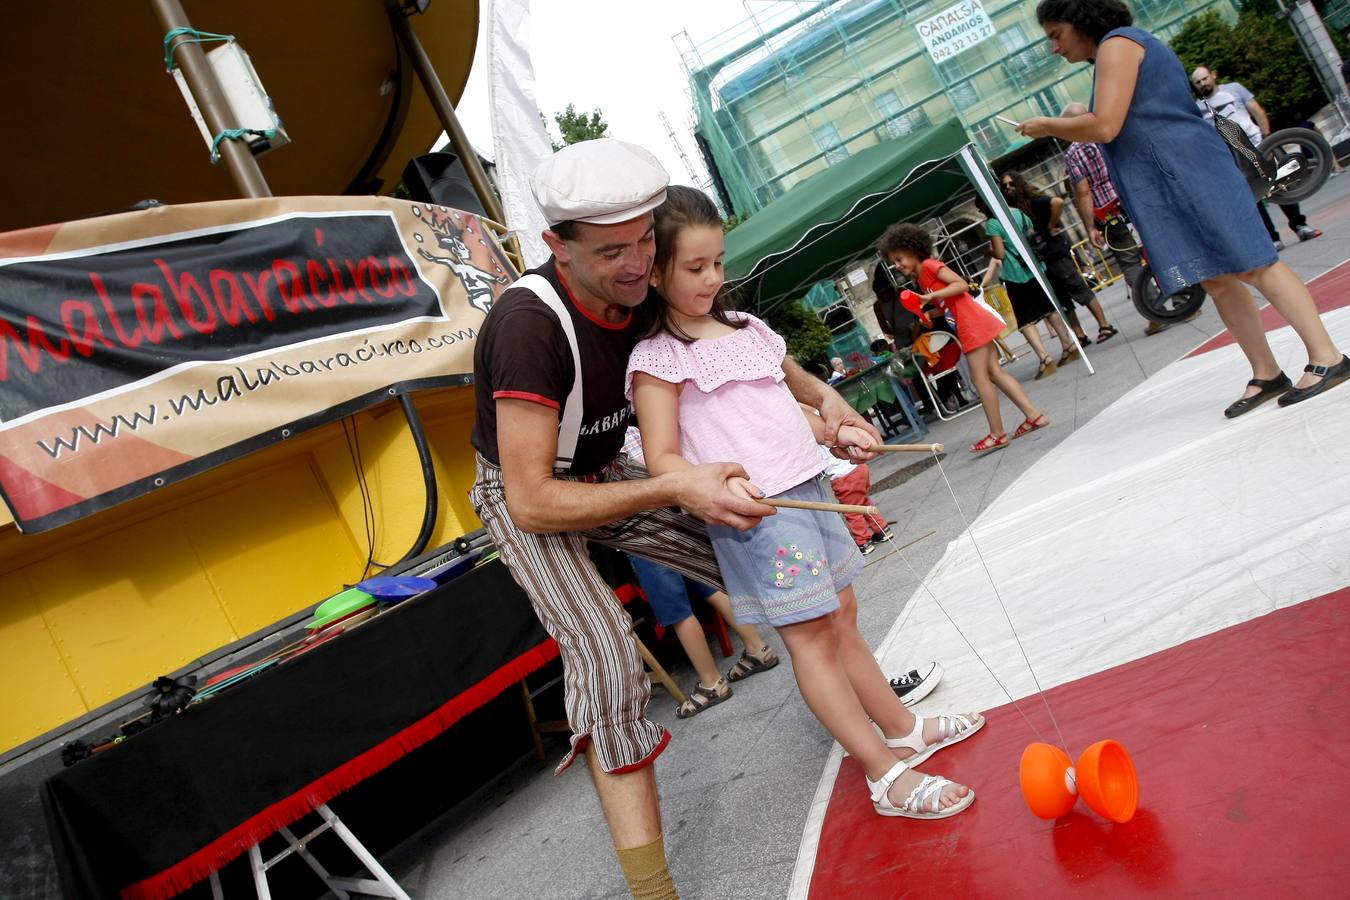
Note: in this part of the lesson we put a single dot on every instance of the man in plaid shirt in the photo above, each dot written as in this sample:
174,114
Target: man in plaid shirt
1092,190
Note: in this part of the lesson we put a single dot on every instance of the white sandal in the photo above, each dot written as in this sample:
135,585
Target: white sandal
924,802
951,730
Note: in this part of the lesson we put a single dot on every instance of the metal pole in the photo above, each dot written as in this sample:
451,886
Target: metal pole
1316,44
445,111
978,173
211,101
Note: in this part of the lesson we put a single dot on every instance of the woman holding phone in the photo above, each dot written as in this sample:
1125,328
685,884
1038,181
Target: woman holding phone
1179,186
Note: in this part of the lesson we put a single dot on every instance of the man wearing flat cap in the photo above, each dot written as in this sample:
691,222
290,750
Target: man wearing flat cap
549,368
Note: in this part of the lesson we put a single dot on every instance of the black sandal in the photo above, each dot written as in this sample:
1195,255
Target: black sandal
1270,387
1105,333
700,698
752,664
1330,375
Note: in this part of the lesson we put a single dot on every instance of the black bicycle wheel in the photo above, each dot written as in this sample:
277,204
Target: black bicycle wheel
1150,302
1304,156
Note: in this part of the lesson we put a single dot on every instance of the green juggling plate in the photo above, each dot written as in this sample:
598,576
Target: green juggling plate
339,605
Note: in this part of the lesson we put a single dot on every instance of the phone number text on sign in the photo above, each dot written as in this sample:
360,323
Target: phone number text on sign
955,29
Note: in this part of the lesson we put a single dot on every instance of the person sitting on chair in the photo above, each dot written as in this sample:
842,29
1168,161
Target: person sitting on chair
941,354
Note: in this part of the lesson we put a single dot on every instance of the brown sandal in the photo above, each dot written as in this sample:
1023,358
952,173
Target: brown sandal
753,663
700,698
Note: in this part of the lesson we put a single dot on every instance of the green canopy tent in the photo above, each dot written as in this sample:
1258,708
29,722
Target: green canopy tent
830,219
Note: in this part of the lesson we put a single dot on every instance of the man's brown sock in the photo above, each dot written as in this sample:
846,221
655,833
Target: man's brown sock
646,871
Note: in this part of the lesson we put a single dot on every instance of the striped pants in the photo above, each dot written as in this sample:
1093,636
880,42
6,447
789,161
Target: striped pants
605,685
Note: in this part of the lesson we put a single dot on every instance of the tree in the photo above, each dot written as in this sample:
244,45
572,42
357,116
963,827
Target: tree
732,221
808,339
1260,51
576,127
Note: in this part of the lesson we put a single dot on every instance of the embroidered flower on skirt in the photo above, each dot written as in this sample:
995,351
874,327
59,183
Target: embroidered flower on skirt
787,573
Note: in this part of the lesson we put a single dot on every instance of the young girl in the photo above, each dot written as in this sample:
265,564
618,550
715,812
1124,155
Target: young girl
708,385
910,249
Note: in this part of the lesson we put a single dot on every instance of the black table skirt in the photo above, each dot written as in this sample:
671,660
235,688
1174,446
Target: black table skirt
153,816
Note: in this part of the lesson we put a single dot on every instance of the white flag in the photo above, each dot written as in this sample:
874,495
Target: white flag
520,141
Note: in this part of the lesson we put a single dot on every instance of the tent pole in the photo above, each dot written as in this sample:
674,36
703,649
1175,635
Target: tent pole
978,173
445,111
211,100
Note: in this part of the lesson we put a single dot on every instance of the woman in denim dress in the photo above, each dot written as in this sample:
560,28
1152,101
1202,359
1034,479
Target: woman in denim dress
1181,189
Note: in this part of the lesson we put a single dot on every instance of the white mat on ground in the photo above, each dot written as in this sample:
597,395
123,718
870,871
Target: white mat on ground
1157,522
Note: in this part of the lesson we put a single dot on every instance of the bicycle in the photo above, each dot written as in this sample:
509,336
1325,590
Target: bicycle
1287,167
1145,292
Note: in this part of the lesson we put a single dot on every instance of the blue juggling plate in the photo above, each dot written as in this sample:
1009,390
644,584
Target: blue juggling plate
390,589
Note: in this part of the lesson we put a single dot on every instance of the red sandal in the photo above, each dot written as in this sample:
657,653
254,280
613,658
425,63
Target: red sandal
988,443
1031,425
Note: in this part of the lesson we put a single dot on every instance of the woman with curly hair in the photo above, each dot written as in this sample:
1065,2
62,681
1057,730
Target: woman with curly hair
1179,186
910,249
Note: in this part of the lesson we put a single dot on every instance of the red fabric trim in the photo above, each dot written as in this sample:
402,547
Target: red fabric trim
584,740
612,326
627,593
526,395
579,747
233,843
648,759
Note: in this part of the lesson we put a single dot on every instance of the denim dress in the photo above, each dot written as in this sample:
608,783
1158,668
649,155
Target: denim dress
1177,179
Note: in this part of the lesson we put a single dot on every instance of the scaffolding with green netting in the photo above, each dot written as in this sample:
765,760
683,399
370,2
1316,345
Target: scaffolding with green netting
802,84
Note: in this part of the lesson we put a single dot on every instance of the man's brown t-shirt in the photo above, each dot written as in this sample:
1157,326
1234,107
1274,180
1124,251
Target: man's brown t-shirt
522,353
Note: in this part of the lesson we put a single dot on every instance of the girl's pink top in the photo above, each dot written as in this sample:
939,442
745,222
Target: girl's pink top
976,322
734,406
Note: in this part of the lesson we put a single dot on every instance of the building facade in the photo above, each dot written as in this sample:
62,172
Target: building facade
798,87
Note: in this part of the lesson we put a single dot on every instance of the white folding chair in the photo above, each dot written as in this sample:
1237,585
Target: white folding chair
936,340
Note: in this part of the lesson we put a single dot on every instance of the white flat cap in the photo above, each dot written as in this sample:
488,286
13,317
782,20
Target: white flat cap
601,182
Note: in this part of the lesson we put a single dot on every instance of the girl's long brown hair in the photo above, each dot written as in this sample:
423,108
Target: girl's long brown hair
685,207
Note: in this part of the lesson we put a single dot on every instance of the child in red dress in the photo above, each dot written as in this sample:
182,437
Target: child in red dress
910,249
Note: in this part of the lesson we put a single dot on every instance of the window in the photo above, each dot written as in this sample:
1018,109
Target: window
1012,38
1049,101
896,122
1021,55
827,139
959,88
889,105
991,136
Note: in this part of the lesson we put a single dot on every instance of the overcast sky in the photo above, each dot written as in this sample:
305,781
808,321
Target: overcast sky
617,55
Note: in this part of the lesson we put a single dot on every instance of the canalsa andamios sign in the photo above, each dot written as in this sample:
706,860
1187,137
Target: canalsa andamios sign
955,29
141,348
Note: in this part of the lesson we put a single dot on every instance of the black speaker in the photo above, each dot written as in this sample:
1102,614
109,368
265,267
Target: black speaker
440,178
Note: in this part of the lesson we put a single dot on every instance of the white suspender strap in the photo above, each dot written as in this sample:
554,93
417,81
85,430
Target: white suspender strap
569,424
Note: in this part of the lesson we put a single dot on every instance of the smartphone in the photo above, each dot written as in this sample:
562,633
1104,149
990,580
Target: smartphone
1006,121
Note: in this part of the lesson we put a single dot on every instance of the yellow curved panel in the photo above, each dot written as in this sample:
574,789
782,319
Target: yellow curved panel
39,693
98,609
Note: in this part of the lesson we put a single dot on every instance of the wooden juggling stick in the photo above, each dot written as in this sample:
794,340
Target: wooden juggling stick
905,448
823,507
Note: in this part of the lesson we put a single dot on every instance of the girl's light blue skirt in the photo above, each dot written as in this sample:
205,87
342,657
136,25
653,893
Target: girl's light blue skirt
791,566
